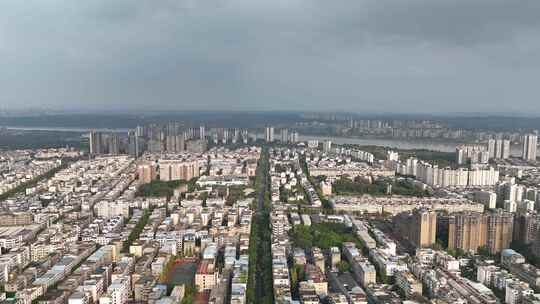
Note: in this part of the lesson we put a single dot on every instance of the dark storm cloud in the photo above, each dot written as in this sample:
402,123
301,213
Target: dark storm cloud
375,55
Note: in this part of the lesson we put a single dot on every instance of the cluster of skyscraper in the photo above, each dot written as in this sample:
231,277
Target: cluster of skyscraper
530,142
461,177
169,170
175,137
285,135
496,149
499,148
475,154
105,143
434,176
467,231
172,137
233,136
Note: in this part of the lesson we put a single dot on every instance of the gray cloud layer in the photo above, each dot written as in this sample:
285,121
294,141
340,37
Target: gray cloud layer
352,55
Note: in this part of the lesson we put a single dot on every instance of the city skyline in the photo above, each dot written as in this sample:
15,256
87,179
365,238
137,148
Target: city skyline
182,213
269,152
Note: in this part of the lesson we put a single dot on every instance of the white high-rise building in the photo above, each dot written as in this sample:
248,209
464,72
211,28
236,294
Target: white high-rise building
294,137
392,155
327,146
95,142
245,136
447,177
461,156
510,191
491,148
484,157
472,153
269,134
202,132
499,148
505,149
236,135
530,142
284,135
409,167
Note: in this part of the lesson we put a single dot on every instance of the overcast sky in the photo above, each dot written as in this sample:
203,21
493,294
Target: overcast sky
340,55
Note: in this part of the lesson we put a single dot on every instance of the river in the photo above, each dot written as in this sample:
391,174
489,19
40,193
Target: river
65,129
403,144
393,143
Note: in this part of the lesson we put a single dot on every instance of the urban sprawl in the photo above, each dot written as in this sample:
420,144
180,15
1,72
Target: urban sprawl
175,214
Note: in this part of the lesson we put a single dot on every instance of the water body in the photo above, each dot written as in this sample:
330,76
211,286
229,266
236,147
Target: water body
393,143
404,144
64,129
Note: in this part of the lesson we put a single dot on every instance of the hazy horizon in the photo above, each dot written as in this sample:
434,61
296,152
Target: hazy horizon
35,111
363,56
